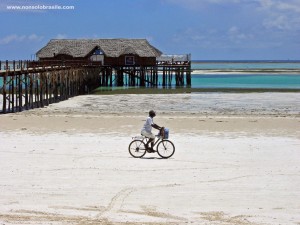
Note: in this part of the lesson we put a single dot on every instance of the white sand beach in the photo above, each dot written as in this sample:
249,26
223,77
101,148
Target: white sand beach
236,161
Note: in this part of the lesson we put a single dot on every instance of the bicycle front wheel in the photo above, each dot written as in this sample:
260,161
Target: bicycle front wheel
137,149
165,149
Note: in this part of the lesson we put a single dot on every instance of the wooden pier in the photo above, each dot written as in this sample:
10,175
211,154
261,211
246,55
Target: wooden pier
26,85
70,67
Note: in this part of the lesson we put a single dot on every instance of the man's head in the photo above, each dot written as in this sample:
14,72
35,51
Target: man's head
152,113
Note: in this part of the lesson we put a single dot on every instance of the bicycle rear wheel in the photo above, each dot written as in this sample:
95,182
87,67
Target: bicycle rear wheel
137,149
165,149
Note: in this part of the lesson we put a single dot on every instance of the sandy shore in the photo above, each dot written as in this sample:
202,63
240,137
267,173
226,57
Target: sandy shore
236,161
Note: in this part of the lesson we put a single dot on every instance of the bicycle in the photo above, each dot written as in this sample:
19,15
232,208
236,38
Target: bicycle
164,148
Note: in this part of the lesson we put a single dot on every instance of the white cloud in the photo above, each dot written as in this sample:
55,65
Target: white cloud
150,38
280,5
190,34
255,24
12,38
280,22
61,36
199,4
265,4
20,38
198,38
235,35
223,1
218,39
34,37
280,14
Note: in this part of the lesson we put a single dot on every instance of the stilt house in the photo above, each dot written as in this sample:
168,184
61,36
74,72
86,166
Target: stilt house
110,52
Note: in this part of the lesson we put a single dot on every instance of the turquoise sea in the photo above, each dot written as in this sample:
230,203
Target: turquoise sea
243,74
243,64
246,74
271,81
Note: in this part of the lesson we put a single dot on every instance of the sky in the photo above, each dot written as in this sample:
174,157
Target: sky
207,29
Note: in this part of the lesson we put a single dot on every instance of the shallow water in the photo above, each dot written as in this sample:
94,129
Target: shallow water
284,81
214,103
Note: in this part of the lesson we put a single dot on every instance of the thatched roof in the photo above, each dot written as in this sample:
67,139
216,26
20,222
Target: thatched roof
128,50
65,51
110,47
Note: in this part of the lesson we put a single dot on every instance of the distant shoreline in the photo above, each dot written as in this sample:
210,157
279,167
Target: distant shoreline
245,61
246,71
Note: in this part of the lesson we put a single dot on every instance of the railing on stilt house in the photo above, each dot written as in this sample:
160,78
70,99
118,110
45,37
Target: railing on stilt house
31,84
177,67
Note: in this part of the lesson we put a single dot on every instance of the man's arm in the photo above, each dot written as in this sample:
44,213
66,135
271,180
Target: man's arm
156,126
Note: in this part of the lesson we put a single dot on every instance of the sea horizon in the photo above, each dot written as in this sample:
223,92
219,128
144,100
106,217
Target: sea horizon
247,60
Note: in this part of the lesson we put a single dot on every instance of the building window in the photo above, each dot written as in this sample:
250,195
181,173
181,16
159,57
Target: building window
98,52
97,56
129,60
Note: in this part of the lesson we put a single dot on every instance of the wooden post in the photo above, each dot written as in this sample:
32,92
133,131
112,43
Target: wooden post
110,76
72,82
164,77
169,76
20,91
155,76
188,75
101,77
56,76
50,87
142,76
68,83
36,91
46,83
76,80
132,76
42,88
120,76
4,88
12,92
31,90
61,85
26,91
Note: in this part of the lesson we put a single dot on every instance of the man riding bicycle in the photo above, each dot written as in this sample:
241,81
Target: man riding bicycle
147,128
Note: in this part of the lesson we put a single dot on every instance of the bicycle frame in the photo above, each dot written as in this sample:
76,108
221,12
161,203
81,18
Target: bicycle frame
142,138
158,139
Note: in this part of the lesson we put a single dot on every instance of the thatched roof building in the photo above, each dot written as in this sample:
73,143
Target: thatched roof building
107,51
